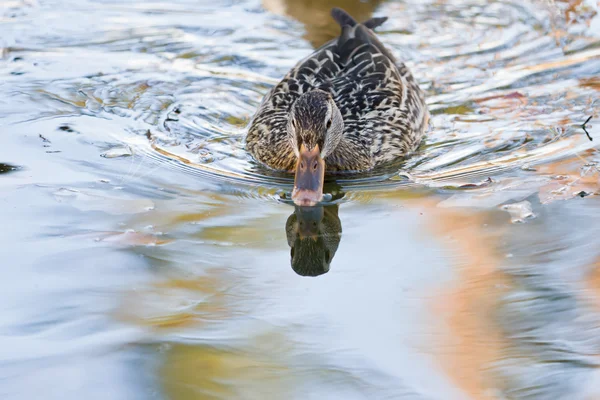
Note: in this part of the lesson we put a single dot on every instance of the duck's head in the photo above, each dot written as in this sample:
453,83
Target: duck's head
315,129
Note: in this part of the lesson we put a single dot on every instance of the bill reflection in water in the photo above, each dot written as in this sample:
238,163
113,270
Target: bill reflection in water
313,234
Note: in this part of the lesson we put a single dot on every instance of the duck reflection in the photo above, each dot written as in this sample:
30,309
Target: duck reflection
313,234
316,18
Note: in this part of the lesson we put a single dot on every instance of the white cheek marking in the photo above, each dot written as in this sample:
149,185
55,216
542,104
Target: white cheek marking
294,145
328,116
291,132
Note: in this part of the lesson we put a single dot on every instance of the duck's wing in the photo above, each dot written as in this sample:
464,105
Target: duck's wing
382,105
321,67
267,136
373,92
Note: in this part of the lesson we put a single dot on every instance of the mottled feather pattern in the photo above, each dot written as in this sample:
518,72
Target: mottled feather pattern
382,106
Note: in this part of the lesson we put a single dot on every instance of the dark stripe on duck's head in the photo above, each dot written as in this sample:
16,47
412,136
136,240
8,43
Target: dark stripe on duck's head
312,112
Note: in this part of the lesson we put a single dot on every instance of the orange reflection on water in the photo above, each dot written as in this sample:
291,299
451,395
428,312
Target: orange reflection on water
472,341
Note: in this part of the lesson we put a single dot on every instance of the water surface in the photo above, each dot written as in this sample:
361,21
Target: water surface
145,255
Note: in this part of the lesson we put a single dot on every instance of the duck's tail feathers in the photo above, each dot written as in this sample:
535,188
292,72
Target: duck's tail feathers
367,36
355,35
375,22
344,19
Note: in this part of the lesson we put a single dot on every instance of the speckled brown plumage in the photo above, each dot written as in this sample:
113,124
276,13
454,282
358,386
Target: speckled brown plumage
383,109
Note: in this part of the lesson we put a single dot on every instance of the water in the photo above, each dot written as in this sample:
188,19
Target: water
145,255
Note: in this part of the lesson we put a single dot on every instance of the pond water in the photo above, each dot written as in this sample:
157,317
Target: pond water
146,256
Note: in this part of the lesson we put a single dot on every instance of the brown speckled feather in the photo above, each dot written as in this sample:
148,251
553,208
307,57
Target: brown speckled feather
382,106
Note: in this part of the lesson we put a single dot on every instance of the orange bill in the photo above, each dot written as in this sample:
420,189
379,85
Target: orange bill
310,175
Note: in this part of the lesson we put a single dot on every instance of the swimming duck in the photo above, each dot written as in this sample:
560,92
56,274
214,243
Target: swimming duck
349,106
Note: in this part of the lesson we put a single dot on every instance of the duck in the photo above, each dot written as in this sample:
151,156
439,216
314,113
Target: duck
348,107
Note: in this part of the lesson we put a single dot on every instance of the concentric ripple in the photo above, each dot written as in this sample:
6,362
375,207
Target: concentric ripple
508,84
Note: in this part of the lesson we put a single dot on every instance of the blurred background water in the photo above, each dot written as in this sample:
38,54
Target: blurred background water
146,256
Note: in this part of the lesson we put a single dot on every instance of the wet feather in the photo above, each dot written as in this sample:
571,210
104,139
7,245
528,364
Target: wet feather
383,109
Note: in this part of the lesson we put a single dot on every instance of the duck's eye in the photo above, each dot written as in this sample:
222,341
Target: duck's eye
328,124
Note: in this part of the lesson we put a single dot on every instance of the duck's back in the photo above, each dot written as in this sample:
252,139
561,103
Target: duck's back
382,106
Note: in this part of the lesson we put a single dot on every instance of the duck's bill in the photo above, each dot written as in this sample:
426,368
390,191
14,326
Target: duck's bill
310,175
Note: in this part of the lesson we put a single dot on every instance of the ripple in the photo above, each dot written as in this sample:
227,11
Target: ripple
124,165
504,94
